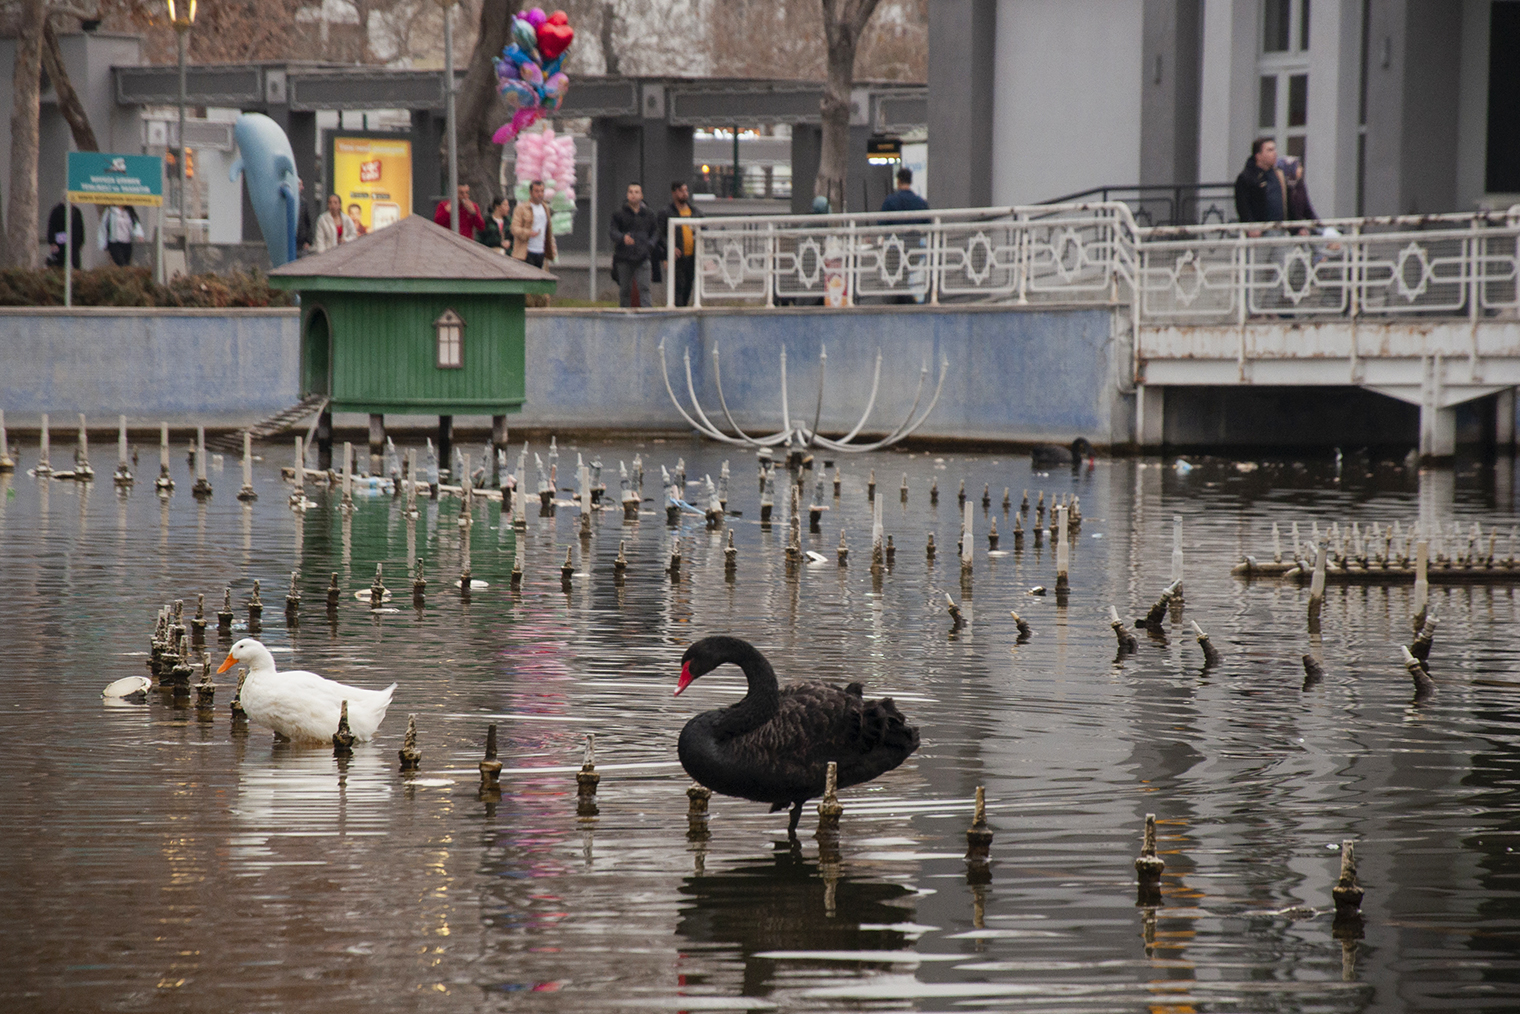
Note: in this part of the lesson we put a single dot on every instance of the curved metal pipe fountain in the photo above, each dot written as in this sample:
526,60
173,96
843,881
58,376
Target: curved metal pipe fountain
797,433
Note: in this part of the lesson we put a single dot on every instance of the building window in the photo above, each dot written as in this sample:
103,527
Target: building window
1282,99
1285,26
450,331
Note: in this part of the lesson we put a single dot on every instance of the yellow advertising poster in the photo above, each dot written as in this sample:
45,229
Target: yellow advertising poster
373,176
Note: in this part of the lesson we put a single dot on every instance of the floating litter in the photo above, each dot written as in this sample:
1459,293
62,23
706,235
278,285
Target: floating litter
363,596
473,584
127,686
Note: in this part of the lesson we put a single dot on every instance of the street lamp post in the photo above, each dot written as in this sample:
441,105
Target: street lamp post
182,16
448,92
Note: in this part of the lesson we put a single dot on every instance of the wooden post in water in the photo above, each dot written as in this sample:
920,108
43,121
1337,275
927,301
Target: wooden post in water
979,835
1421,582
247,493
123,475
830,809
1148,866
966,537
1317,587
1063,554
202,487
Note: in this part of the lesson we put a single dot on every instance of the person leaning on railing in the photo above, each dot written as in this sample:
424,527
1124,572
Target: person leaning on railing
1261,189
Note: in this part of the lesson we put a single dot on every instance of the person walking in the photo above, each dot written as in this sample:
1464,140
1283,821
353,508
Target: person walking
334,226
634,241
118,228
904,199
56,238
532,239
682,273
469,213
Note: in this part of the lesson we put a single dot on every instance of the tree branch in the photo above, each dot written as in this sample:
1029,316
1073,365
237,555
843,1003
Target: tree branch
68,100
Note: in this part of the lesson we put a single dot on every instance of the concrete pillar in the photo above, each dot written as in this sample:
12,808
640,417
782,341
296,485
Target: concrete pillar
1504,420
499,432
962,51
807,142
1150,402
1438,432
446,443
427,173
376,442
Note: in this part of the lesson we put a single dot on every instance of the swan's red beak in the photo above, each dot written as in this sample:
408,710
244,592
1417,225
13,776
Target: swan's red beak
228,664
686,678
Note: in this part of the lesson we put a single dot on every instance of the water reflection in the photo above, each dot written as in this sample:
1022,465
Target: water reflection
787,903
155,849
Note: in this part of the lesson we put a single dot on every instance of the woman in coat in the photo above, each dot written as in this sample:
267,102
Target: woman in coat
334,226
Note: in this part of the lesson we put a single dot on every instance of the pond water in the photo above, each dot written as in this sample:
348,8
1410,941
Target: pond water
158,859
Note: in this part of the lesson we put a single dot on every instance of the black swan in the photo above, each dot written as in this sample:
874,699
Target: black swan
774,745
1051,455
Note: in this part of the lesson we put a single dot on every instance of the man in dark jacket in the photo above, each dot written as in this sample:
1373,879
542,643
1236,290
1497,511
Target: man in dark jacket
634,241
682,273
56,238
1260,189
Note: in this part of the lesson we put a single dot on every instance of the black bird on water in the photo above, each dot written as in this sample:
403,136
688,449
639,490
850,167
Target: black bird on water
775,744
1054,455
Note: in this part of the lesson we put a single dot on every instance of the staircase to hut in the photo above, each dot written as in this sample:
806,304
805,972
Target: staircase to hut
232,443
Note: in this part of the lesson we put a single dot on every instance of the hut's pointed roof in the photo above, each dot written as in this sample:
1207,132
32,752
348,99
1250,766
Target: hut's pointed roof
412,255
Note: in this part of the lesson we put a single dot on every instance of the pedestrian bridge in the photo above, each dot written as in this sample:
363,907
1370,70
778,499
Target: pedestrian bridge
1423,309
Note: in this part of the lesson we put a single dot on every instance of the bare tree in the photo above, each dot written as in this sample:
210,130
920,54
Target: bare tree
843,23
26,85
479,110
785,39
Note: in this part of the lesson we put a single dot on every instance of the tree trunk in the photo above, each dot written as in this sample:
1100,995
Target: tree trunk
843,23
608,38
68,99
21,232
478,110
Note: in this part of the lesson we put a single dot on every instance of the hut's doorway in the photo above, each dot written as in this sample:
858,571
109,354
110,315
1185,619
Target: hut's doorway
316,354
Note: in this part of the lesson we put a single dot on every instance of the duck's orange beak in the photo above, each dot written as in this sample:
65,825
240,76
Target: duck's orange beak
227,664
686,678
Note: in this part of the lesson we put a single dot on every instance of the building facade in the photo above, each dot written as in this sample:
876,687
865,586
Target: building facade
1396,106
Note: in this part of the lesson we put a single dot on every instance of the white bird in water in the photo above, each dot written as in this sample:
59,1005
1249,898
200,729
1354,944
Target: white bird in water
303,706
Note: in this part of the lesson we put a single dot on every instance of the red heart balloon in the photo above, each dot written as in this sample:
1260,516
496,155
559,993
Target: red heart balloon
559,18
554,39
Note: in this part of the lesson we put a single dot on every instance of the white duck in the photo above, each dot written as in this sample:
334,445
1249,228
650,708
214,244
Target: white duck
303,706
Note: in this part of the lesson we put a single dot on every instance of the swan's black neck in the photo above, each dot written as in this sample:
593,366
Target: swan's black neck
764,698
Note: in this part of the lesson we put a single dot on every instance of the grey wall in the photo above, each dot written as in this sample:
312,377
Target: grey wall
1066,116
1015,375
1169,80
962,49
212,366
1413,86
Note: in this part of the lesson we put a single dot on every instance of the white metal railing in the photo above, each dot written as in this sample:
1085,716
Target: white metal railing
1081,253
1392,268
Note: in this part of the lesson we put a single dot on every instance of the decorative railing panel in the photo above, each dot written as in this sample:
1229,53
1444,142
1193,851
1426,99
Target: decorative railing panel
1390,268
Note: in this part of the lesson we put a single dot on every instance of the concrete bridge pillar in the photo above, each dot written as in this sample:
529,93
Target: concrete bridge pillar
1438,431
1149,415
1504,420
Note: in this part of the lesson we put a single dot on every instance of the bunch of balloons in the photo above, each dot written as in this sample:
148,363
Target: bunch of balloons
528,71
543,155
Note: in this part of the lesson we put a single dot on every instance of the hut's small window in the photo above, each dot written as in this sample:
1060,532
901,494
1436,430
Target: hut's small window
450,328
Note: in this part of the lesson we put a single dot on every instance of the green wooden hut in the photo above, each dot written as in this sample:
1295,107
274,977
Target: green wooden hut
412,319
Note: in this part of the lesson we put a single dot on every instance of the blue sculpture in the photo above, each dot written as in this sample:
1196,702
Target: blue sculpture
265,157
